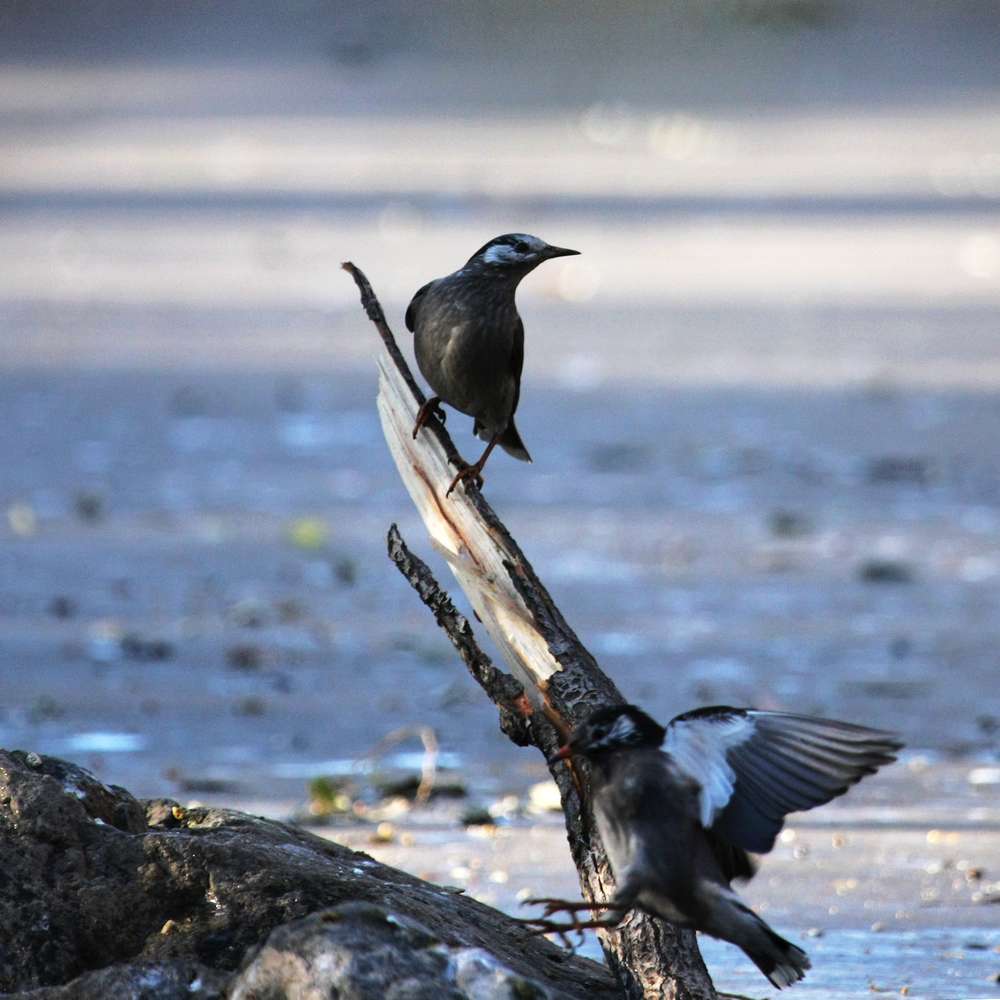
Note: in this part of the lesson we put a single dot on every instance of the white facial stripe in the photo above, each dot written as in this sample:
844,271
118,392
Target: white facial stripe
502,254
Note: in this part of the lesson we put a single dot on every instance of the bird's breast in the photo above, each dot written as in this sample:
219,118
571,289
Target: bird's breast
464,343
616,841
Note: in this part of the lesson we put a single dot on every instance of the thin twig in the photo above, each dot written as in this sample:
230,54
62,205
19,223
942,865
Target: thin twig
373,308
505,691
428,764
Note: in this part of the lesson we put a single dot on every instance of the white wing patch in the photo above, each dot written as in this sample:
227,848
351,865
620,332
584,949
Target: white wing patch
699,746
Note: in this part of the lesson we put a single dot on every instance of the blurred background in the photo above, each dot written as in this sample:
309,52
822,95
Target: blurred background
764,408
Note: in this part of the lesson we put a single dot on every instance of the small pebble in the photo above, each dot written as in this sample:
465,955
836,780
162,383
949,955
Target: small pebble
477,816
251,705
249,613
135,647
987,896
89,507
885,571
45,708
912,469
289,611
308,533
943,836
346,571
244,657
505,807
788,524
543,796
62,607
988,724
980,777
104,642
22,520
384,833
900,647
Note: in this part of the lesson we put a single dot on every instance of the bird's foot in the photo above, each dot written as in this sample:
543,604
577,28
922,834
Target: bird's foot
568,906
431,408
575,925
473,472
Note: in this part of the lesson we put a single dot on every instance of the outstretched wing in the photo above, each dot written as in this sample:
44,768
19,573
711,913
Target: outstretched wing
411,309
756,767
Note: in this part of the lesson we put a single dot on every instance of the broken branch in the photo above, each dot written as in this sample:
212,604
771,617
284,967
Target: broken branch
558,678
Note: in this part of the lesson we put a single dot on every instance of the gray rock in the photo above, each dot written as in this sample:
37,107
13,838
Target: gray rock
358,951
102,895
178,980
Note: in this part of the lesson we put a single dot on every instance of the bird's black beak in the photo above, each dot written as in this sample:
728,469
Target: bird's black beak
551,251
563,753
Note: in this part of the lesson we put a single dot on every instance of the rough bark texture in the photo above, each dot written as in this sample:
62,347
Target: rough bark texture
105,896
556,682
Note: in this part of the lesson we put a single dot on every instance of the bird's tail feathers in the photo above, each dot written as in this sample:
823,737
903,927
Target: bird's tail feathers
781,961
510,440
732,920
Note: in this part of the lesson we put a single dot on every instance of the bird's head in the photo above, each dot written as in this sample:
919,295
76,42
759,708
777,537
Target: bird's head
622,727
515,254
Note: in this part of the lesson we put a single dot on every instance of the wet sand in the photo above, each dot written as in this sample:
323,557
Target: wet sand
763,409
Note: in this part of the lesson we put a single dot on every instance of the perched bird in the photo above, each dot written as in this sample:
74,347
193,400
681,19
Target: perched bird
469,341
677,823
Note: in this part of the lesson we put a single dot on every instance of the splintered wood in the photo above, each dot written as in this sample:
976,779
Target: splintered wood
474,554
554,682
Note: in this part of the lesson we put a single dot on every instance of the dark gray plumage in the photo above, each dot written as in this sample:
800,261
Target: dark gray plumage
469,341
677,825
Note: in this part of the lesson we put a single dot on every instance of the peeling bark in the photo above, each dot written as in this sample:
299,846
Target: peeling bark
554,682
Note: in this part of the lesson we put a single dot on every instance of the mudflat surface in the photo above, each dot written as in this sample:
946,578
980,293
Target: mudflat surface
763,407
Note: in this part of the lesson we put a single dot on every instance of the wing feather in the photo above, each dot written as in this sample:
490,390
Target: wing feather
756,767
517,362
411,309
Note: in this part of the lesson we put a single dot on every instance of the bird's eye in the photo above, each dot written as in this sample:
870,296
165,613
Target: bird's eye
521,247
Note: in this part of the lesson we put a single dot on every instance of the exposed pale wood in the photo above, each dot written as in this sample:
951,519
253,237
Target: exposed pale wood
555,681
476,555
